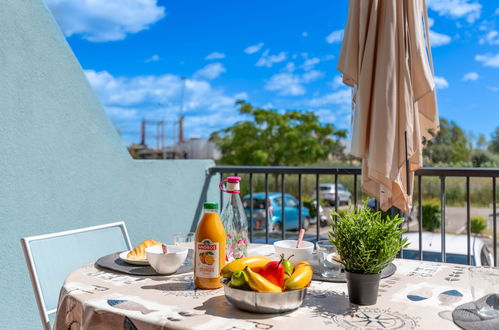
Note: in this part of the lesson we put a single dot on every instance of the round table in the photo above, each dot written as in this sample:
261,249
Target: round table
414,297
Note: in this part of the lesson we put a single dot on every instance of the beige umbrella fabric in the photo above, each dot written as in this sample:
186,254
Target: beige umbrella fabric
385,58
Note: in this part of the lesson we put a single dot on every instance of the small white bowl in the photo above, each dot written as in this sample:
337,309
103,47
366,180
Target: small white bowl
288,248
168,263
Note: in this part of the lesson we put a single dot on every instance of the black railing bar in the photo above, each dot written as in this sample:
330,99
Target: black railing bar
251,206
221,194
494,217
285,169
420,216
336,198
283,215
300,202
355,191
403,216
267,208
426,171
459,172
442,216
318,205
468,221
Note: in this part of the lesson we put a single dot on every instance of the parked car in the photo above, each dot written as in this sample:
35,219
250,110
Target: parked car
328,192
455,249
291,211
325,217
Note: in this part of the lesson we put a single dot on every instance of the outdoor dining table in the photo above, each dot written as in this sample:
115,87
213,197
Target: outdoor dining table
420,295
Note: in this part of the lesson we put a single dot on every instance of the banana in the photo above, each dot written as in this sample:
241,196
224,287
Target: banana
300,278
259,283
255,263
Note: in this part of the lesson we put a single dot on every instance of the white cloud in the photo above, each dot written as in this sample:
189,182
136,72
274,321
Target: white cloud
341,97
441,82
311,76
105,20
439,39
334,37
210,71
468,9
153,58
157,97
215,56
470,76
310,63
269,60
287,84
337,82
326,115
290,84
491,38
488,59
254,49
290,67
328,57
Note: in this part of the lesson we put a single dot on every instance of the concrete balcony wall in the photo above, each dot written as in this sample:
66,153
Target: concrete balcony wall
62,165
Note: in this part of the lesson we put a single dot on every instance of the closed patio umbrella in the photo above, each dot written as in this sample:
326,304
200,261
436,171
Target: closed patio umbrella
387,59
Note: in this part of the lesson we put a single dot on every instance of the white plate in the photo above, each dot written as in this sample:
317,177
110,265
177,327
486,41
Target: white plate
123,256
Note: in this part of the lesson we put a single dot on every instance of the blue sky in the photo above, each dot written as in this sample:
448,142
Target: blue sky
275,54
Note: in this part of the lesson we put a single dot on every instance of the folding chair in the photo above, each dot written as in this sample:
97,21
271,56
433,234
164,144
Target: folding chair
50,259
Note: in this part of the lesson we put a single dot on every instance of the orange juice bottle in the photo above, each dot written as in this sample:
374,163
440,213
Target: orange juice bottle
209,253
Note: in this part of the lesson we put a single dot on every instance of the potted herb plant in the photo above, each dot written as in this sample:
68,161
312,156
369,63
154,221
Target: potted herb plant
366,242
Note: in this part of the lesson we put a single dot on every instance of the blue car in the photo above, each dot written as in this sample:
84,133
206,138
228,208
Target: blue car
291,212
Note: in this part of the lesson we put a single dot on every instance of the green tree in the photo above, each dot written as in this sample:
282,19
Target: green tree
431,216
483,158
494,142
273,138
449,146
478,224
481,143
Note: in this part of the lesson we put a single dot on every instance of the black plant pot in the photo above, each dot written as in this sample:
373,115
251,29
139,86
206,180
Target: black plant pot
362,288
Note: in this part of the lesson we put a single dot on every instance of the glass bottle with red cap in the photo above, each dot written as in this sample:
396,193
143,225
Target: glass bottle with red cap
234,220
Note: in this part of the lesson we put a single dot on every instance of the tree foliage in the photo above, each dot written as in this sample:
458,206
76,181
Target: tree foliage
273,138
494,142
449,146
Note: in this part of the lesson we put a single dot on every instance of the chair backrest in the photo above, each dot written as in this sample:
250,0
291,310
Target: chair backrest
50,259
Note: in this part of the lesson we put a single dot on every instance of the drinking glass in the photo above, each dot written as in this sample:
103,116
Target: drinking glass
326,252
186,240
485,290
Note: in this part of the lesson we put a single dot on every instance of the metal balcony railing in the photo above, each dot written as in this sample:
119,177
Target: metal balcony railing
441,173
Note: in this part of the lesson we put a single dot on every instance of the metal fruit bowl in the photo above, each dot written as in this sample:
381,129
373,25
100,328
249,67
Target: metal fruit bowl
265,302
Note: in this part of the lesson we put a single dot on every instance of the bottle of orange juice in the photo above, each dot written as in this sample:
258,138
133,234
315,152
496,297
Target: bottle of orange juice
209,254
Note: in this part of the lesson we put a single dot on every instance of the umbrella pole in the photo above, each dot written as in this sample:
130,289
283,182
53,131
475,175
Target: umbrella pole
408,181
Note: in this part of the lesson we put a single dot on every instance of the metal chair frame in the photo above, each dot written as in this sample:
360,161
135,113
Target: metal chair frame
26,246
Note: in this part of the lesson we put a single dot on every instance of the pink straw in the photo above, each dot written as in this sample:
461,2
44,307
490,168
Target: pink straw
300,238
165,249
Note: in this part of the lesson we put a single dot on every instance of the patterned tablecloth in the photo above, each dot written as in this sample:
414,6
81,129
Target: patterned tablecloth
420,295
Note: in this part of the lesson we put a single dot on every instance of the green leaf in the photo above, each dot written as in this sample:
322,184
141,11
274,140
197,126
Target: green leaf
367,241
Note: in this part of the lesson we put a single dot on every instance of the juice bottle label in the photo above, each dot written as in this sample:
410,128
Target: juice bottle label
207,262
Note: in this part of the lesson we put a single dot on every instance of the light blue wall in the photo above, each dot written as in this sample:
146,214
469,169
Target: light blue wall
62,165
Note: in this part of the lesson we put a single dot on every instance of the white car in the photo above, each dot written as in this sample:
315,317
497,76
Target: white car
328,191
455,249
